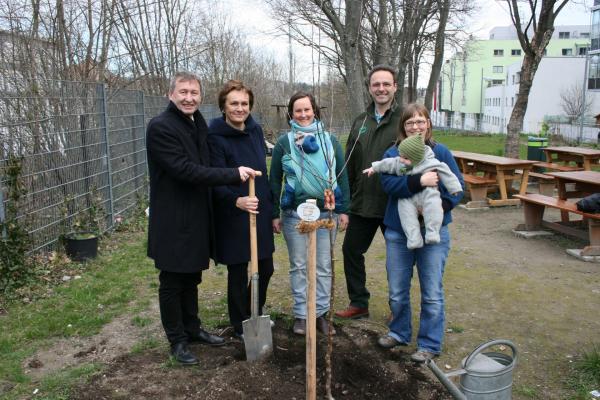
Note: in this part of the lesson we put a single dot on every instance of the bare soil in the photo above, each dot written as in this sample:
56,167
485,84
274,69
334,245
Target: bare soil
497,286
360,371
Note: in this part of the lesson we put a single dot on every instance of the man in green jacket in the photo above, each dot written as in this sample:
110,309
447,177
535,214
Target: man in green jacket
373,132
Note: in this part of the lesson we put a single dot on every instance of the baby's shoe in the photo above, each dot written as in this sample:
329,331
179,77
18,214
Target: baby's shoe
414,243
432,237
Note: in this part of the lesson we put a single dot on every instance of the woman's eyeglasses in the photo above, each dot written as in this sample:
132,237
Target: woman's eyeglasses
419,123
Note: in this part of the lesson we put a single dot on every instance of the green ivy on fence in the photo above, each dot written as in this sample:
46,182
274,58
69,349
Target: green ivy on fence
15,265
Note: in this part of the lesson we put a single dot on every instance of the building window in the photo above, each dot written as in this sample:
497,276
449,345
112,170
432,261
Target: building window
582,51
567,52
594,75
564,35
498,53
584,35
515,52
497,82
497,69
512,101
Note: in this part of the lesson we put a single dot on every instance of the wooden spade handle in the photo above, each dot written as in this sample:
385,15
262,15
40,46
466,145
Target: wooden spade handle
253,239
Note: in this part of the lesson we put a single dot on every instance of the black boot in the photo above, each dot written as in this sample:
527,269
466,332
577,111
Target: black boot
183,355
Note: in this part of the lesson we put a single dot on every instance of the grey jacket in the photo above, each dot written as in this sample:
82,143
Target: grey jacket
428,200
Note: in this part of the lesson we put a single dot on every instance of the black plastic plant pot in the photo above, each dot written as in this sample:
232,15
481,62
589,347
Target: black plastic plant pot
81,246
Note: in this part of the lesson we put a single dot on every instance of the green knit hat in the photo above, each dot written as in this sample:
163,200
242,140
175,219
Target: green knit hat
412,148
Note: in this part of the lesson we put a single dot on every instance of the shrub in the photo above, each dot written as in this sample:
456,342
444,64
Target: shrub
15,266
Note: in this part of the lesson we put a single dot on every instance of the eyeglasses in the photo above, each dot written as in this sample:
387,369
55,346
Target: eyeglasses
419,123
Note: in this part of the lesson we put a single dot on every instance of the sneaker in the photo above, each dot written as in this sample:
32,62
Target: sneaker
353,312
272,323
238,335
388,342
421,356
299,326
323,326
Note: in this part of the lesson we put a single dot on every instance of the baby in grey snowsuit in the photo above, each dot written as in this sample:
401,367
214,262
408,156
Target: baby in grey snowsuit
417,158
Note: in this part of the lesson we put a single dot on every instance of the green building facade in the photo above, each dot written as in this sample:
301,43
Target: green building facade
484,63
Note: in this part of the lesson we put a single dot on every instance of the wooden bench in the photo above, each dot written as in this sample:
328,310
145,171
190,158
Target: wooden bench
546,183
534,206
478,187
557,167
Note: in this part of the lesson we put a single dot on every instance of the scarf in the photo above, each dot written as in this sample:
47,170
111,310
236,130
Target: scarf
310,172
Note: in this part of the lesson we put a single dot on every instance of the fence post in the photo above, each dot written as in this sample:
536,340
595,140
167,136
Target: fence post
146,171
2,216
104,127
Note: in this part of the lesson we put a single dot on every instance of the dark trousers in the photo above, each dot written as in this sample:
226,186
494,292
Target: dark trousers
358,239
238,291
178,301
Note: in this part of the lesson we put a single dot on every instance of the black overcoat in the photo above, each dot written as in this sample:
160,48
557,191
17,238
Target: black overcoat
230,147
180,232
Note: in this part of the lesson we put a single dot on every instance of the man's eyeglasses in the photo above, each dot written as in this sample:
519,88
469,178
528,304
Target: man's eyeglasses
419,123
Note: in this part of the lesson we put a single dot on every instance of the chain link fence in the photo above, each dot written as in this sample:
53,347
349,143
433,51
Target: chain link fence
82,145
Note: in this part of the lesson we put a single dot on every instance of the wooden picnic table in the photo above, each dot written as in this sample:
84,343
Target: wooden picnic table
584,157
500,169
584,183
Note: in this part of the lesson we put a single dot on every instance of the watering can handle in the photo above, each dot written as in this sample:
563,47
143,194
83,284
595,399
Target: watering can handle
489,344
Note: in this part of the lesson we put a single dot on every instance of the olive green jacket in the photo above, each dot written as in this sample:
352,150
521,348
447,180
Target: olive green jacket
367,143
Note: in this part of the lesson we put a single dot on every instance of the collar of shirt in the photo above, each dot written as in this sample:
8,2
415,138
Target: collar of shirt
378,117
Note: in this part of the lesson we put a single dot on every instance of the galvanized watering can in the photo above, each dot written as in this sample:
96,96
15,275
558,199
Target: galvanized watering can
483,376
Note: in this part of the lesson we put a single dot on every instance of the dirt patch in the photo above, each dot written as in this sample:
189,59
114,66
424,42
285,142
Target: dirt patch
360,371
116,338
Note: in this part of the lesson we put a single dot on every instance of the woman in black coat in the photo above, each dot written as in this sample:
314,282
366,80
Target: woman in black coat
236,139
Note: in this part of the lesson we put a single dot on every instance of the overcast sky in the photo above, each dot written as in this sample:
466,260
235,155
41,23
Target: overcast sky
253,17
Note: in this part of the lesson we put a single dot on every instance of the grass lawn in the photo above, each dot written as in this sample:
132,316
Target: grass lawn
485,144
121,281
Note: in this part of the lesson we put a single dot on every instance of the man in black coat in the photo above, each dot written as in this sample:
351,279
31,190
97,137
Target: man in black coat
180,232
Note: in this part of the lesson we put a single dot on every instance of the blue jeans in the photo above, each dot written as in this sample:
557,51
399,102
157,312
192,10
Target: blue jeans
297,251
430,260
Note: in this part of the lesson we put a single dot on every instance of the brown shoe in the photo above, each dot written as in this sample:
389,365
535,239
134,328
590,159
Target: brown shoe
299,326
353,312
323,326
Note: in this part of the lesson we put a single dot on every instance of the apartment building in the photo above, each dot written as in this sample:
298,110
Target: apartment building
484,64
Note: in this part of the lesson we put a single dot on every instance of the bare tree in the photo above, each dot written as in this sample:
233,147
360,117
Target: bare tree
571,101
438,52
534,35
413,15
341,22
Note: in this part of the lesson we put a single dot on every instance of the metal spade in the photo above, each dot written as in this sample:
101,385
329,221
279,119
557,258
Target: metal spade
258,339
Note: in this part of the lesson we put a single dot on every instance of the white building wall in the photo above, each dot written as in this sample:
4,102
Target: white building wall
554,75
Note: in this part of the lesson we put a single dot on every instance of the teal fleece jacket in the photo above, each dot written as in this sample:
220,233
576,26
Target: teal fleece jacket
276,176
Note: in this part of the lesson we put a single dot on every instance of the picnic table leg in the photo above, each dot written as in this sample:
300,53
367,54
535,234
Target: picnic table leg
587,165
524,180
562,194
502,185
594,230
548,155
534,213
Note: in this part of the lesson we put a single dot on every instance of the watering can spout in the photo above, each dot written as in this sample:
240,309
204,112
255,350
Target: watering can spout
454,391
